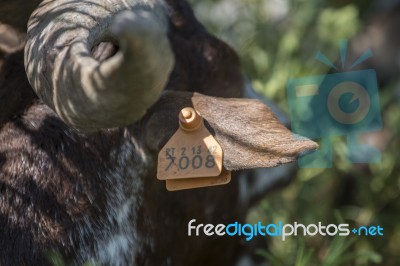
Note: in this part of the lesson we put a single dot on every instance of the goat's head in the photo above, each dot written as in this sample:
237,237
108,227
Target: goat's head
132,65
106,65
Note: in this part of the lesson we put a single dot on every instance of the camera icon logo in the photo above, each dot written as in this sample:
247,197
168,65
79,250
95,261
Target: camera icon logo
359,93
337,104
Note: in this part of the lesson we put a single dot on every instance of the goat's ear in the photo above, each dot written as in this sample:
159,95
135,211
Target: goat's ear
11,40
16,13
247,130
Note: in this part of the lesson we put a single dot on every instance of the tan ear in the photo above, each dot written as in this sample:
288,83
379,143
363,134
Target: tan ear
11,40
16,13
247,130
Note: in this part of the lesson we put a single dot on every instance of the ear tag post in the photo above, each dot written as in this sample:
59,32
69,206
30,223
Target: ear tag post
192,157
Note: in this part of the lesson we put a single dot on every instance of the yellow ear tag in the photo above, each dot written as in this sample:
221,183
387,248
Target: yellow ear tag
189,183
191,153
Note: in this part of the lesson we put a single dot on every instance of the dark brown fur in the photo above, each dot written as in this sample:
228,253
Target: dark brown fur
56,183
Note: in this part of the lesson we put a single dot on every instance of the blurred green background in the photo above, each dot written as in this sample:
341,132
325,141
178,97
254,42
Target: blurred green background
278,40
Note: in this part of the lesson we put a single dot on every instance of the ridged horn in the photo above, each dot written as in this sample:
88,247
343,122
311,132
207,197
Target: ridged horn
89,93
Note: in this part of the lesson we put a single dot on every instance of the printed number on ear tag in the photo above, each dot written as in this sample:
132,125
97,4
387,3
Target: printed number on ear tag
192,152
189,183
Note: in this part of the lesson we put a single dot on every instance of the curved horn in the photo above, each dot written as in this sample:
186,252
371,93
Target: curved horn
90,94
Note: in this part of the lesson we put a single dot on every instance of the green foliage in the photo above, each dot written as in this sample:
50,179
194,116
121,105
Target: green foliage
55,259
278,40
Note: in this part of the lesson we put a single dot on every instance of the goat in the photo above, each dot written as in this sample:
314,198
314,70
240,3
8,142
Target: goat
78,156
